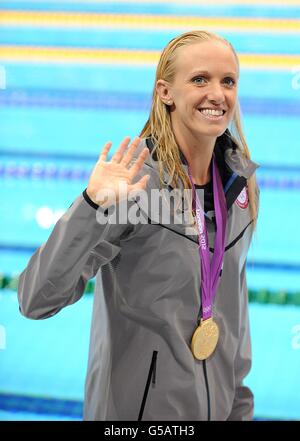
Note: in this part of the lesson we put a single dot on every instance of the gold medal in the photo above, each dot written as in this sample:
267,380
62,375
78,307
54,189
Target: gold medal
205,339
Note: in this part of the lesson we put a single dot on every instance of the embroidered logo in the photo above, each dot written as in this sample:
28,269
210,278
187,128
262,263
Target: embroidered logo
242,200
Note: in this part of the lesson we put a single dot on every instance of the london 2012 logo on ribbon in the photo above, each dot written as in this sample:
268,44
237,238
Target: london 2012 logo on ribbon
242,200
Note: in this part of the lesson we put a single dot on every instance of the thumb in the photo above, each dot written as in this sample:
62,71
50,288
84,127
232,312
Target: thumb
138,186
142,182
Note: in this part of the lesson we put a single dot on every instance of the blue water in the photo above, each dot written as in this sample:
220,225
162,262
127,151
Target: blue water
57,347
272,140
138,79
59,116
162,8
153,40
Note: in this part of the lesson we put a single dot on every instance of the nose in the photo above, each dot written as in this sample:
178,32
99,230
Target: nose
216,94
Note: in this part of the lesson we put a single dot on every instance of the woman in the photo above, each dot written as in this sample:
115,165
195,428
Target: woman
170,332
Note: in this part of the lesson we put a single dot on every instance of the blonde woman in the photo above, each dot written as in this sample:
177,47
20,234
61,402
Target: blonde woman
170,333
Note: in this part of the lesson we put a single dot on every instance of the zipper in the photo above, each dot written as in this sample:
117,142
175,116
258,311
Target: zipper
151,378
207,390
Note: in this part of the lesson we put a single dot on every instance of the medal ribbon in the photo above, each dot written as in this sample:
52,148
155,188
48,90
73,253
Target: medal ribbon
210,270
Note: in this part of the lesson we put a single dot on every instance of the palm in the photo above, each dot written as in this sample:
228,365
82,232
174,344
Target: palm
107,175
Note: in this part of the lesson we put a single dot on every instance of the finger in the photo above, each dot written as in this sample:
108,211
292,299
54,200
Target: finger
134,169
120,151
128,156
104,152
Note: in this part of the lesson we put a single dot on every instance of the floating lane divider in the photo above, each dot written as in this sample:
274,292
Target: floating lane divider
41,19
172,2
10,282
47,54
40,171
41,405
129,101
189,2
54,172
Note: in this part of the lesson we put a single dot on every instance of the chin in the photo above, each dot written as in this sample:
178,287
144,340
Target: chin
213,131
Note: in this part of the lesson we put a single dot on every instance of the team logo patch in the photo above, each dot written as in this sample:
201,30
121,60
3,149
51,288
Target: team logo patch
242,200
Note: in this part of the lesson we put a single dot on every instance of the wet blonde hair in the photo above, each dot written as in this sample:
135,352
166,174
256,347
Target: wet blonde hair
159,127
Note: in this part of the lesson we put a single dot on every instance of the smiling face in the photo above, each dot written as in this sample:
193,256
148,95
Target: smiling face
203,94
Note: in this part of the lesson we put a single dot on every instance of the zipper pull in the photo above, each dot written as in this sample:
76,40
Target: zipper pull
221,269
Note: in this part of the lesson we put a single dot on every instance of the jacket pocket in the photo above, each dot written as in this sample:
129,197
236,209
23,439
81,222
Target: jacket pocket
151,378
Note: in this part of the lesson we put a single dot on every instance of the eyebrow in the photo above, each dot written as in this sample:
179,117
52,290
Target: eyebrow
207,73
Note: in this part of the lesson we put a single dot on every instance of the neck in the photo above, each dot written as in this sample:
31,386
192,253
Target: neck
198,153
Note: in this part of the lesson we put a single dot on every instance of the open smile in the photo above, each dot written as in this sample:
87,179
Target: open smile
212,114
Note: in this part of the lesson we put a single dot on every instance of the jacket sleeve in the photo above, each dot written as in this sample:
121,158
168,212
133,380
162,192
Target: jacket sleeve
243,404
58,271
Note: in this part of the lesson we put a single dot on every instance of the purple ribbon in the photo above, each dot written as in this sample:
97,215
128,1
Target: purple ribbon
211,270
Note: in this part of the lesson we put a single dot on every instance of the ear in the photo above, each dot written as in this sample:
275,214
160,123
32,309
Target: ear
163,91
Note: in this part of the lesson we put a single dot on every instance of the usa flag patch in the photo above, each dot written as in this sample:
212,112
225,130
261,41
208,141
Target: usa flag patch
242,200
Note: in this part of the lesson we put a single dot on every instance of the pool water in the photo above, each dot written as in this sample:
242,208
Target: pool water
56,115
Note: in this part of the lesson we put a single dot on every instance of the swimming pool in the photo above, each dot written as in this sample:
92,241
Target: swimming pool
55,116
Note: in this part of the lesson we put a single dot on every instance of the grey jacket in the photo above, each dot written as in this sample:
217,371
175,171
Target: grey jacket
147,305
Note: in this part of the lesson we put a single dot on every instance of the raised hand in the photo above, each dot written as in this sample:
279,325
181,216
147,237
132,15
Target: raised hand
106,176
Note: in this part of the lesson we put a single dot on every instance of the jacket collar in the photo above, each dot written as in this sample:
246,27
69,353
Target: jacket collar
233,166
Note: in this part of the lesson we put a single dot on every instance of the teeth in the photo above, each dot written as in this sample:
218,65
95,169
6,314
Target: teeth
211,112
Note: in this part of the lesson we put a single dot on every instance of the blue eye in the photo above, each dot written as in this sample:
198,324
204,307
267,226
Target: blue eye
230,79
198,78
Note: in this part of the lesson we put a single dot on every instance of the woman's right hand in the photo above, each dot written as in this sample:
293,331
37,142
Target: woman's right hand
104,183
